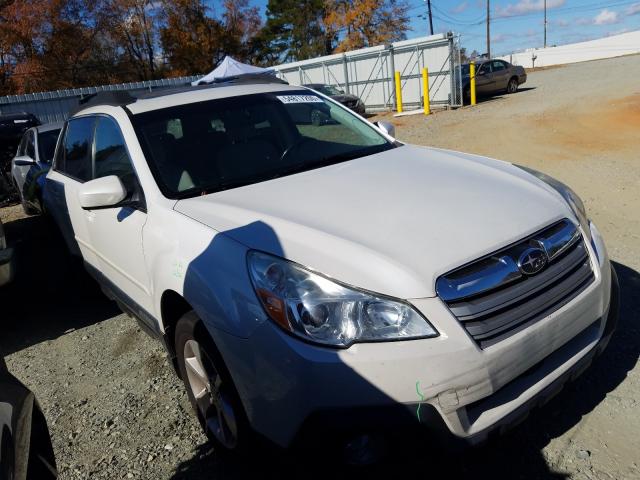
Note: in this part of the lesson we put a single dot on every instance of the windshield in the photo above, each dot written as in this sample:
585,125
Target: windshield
330,90
220,144
464,69
47,144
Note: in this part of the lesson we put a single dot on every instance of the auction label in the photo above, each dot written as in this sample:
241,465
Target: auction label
299,99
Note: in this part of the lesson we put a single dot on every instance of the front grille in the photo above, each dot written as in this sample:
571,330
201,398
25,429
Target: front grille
493,299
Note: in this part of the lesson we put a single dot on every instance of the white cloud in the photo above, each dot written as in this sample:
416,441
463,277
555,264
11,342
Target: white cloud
460,7
633,9
606,17
560,23
526,6
499,38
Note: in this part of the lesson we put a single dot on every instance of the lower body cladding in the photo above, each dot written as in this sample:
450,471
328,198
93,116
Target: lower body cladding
447,384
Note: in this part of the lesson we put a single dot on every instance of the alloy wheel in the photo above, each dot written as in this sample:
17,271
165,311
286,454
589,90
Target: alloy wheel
208,389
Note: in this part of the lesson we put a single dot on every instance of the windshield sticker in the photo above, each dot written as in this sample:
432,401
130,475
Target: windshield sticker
299,99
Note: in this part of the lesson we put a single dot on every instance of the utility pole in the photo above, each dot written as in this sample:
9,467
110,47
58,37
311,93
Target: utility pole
488,29
545,23
430,17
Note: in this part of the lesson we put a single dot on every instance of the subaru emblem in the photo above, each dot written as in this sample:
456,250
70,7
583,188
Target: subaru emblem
532,261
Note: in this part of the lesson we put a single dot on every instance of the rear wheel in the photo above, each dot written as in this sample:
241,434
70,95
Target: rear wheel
512,86
211,392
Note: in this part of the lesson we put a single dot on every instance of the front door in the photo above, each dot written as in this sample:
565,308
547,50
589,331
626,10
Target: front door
484,79
116,233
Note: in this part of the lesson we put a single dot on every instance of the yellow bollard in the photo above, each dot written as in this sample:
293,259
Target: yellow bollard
398,93
425,90
472,77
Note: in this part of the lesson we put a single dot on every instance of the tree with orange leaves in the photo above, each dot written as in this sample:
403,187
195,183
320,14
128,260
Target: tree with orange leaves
364,23
50,44
195,40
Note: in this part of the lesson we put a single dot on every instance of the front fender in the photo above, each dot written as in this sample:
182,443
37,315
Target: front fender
209,270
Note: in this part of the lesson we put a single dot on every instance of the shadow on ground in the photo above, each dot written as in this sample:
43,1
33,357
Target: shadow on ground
51,294
515,455
501,96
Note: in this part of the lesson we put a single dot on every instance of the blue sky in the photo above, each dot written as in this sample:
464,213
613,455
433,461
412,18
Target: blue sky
518,24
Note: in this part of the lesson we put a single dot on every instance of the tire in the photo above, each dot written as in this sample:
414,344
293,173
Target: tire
512,86
210,388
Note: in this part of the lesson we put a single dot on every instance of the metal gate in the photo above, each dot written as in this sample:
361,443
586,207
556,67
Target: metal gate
369,72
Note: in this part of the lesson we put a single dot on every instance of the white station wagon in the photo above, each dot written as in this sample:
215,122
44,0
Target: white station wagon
307,272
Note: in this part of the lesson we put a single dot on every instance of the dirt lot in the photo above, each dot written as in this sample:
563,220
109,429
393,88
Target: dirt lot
116,410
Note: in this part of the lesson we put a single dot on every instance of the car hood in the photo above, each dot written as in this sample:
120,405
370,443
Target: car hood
390,222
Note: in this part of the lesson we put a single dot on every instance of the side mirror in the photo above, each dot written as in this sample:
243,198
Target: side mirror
101,193
480,73
387,128
24,161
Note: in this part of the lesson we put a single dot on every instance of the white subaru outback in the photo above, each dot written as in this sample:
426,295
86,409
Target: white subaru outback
308,272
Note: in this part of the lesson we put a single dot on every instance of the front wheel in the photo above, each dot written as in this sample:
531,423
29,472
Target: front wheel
512,86
211,392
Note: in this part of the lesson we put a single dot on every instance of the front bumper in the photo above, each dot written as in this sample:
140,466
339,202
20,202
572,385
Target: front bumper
7,268
404,417
289,387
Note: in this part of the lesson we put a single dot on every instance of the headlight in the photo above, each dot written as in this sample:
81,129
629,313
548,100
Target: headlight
571,197
323,311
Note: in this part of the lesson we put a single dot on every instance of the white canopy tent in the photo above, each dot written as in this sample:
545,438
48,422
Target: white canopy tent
231,68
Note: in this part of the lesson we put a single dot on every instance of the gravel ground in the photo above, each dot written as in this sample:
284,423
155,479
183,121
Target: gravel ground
117,410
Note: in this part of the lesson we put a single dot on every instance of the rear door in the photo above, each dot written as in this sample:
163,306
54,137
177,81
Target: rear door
500,75
116,233
72,167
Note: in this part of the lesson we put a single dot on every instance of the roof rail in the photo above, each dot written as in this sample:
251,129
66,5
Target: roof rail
116,98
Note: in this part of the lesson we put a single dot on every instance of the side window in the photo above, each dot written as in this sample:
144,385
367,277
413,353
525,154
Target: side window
76,161
498,66
111,156
485,68
30,148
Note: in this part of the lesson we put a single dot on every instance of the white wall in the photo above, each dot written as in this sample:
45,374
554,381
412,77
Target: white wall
614,46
